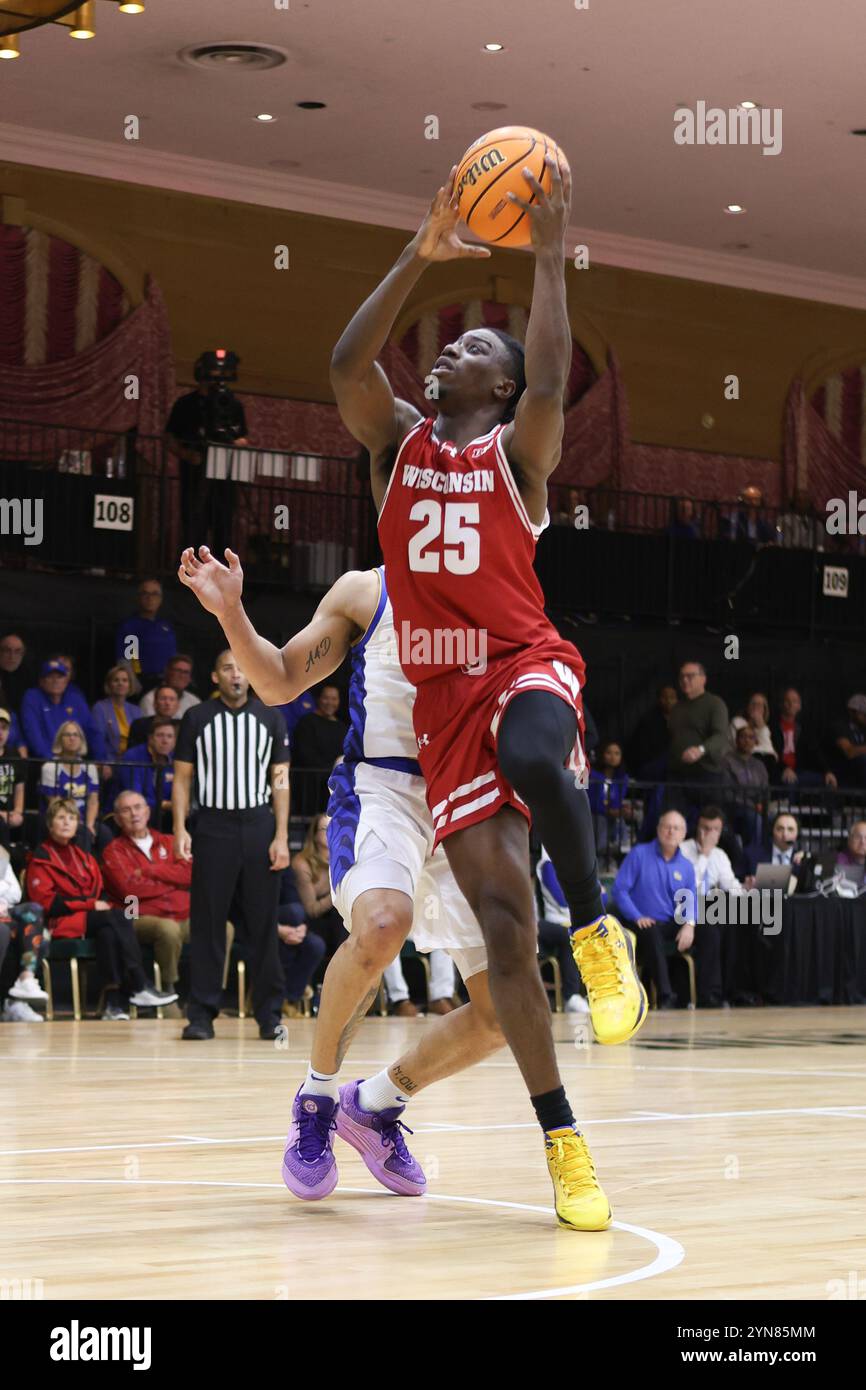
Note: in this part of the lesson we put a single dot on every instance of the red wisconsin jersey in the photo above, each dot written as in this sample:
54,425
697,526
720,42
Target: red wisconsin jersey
459,547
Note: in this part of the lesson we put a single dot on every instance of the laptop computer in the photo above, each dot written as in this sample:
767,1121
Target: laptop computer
773,876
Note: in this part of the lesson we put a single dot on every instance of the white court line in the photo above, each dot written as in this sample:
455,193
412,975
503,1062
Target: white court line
669,1252
624,1069
852,1112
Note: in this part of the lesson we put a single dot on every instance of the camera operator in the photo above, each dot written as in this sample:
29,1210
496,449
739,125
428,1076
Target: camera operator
211,414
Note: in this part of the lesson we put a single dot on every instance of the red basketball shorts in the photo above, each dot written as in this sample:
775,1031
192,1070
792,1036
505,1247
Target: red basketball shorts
457,718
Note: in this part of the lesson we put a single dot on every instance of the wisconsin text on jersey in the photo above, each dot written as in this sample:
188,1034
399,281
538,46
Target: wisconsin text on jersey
481,480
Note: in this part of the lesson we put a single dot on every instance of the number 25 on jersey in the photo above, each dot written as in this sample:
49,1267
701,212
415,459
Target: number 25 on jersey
459,544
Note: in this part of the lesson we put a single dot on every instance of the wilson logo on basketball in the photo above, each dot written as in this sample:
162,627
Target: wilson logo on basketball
487,161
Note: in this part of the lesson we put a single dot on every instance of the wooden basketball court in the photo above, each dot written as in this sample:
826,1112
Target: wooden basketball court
730,1144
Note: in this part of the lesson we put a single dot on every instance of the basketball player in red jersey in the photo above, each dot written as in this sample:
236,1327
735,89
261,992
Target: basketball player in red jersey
462,499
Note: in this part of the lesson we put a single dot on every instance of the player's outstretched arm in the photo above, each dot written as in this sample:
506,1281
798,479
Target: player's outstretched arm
363,393
279,675
533,440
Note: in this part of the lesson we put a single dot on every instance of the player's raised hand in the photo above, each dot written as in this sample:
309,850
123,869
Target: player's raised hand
217,587
436,238
548,214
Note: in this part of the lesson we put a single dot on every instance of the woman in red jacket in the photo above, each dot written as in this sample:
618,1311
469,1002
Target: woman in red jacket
67,884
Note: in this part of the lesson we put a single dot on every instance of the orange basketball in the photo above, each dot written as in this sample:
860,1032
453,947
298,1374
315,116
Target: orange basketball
490,169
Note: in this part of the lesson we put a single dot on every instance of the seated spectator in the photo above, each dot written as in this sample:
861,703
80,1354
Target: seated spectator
177,674
854,854
645,891
782,848
317,743
23,923
800,527
113,716
142,870
800,758
146,640
713,871
70,778
747,524
684,526
745,773
566,513
757,714
157,778
608,785
167,702
12,771
66,883
849,739
648,746
442,985
314,886
16,675
295,710
301,950
554,936
46,706
69,662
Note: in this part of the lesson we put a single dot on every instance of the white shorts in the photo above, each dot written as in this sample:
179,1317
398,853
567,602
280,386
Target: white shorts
381,836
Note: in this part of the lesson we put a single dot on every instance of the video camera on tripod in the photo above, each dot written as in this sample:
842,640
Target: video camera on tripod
223,422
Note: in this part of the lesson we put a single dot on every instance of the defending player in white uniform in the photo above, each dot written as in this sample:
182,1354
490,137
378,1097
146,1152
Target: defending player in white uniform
386,881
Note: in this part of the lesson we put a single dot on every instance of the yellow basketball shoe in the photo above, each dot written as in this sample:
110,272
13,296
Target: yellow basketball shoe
604,956
580,1201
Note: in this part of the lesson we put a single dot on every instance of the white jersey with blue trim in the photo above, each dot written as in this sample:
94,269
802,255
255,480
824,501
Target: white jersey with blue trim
380,697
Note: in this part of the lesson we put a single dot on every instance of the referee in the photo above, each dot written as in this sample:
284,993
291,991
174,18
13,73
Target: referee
237,750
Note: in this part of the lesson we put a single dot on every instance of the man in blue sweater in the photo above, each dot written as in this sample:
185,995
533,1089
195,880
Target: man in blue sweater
46,706
644,890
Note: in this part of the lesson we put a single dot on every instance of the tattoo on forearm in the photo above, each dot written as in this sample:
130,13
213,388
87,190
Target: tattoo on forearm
320,650
402,1079
352,1026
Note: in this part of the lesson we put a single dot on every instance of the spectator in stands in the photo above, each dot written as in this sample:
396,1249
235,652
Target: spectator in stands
113,717
781,850
684,526
69,662
317,744
46,706
177,674
645,890
566,513
295,710
854,855
442,983
849,738
747,524
15,673
11,784
22,923
800,757
800,527
757,715
141,870
649,744
301,950
311,876
554,937
747,776
70,778
167,706
157,778
698,727
146,640
608,786
67,884
713,871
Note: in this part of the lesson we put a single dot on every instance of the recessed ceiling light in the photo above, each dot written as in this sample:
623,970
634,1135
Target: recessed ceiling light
264,116
310,105
130,7
749,105
859,132
488,105
494,47
734,208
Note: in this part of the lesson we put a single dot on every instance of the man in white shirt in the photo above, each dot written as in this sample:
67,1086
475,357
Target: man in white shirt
713,870
178,674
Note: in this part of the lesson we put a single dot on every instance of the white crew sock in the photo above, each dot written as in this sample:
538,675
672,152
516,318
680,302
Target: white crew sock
381,1093
320,1084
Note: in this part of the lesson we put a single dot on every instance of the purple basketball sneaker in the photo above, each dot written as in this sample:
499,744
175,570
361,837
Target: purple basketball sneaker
377,1137
309,1166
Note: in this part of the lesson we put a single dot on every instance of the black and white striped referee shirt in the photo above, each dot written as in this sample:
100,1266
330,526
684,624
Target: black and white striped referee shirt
232,752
